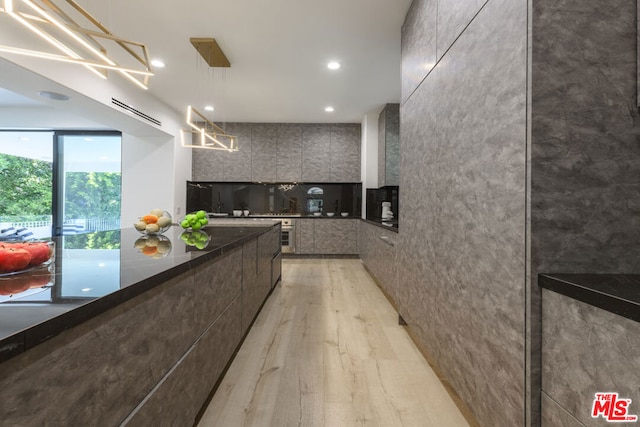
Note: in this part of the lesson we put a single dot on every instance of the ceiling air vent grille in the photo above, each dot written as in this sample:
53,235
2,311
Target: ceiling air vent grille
136,112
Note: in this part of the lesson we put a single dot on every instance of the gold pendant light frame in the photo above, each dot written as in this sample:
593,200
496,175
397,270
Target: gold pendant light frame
74,43
206,134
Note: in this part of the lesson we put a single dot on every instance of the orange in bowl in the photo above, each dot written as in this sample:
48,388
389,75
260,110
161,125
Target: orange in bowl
150,219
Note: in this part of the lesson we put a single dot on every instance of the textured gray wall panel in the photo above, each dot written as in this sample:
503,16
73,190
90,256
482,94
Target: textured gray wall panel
453,17
462,237
586,150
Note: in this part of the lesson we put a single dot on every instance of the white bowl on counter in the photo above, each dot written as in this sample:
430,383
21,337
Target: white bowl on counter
345,214
329,213
317,213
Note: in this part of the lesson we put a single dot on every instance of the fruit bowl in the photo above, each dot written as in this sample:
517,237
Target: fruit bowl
153,245
155,222
194,220
19,257
198,239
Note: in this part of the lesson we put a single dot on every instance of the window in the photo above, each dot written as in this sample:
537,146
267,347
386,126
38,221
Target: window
69,182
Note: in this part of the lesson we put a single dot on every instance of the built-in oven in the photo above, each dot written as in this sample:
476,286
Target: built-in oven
288,236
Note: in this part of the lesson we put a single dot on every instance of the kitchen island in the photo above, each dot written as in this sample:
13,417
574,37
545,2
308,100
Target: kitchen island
127,336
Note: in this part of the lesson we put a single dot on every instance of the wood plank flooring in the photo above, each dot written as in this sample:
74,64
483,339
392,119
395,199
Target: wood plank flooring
327,350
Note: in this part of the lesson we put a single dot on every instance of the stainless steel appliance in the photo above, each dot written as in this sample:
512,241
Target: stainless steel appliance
288,236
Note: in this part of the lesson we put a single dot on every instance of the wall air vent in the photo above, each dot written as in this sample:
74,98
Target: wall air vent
136,112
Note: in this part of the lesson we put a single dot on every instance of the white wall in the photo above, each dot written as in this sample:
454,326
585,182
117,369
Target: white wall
154,164
369,153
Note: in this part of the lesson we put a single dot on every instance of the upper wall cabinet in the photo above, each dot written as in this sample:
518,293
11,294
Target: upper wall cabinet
291,152
346,140
389,146
419,50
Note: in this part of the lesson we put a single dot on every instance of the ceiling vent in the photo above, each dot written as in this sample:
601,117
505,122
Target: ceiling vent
136,112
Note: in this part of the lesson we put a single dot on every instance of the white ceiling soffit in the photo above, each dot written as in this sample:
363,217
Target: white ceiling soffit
278,51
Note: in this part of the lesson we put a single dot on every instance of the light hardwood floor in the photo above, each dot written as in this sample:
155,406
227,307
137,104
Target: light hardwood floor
327,350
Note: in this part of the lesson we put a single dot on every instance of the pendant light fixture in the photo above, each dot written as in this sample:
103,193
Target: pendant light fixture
206,134
73,43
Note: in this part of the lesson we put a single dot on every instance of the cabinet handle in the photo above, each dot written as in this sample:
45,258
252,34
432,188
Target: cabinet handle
387,241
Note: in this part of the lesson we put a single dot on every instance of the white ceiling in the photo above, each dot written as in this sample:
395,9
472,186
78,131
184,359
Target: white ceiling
278,51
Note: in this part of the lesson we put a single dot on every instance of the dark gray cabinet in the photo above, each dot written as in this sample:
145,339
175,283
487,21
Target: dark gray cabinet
389,146
316,152
305,241
346,141
236,166
264,147
336,236
326,236
378,254
289,153
279,152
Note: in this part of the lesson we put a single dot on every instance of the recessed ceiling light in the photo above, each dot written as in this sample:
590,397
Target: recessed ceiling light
329,110
53,95
333,65
24,138
158,63
209,108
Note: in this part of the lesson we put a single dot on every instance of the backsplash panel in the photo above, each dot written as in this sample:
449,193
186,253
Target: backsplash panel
276,198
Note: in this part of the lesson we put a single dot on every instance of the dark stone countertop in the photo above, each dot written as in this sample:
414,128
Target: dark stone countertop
281,216
97,271
616,293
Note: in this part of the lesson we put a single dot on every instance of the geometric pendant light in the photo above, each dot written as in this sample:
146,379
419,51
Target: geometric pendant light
72,42
203,133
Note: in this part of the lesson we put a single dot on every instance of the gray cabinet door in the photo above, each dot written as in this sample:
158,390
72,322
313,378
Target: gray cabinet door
336,236
389,146
264,146
346,140
316,152
237,165
208,165
305,236
378,253
289,153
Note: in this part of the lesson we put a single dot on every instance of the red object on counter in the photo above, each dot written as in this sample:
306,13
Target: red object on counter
13,259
